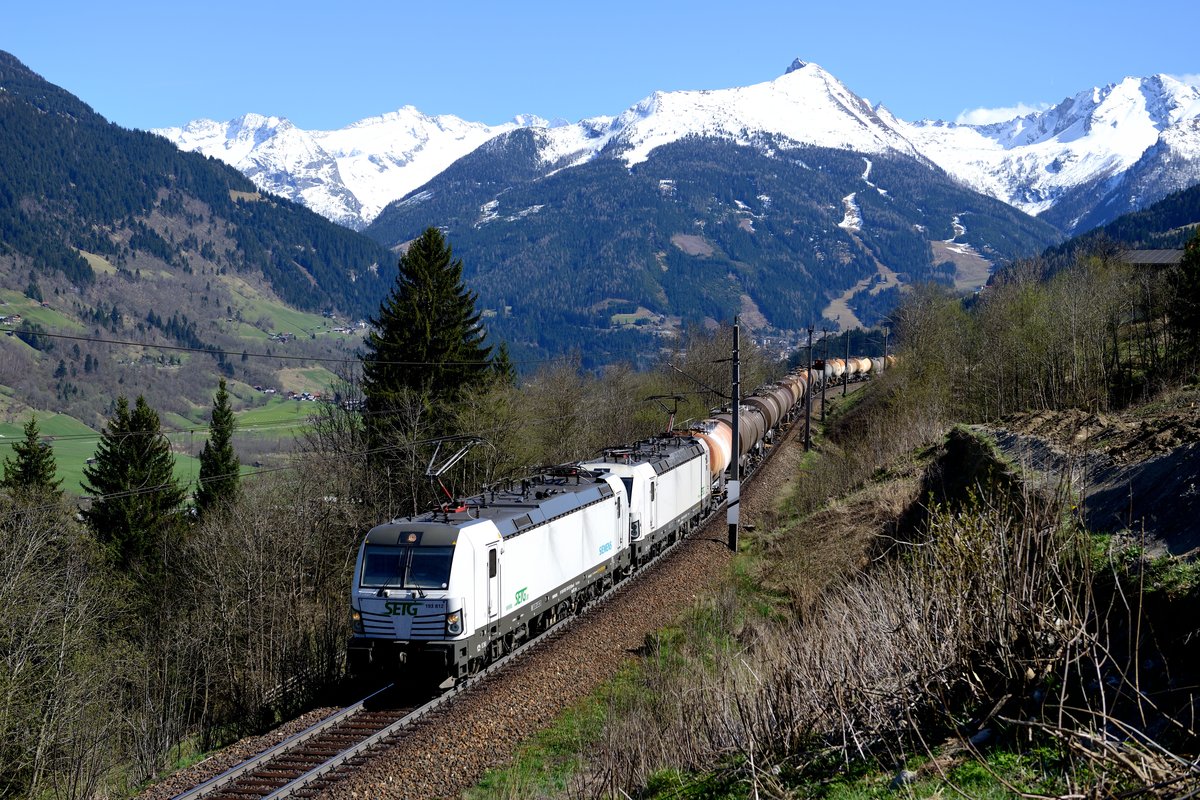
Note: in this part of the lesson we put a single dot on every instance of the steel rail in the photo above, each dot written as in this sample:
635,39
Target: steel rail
271,753
316,773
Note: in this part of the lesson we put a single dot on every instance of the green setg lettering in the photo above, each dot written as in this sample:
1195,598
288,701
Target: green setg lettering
396,608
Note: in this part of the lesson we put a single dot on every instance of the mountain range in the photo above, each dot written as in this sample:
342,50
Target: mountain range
1095,155
130,267
792,203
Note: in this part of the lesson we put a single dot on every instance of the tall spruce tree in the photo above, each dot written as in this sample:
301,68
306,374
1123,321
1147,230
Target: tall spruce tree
503,370
219,465
136,499
427,338
33,468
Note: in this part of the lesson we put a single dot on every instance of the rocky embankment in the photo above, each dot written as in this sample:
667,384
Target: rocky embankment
1136,472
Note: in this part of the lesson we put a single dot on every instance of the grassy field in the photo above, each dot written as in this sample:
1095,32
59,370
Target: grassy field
311,379
253,306
98,263
641,315
279,419
74,443
33,311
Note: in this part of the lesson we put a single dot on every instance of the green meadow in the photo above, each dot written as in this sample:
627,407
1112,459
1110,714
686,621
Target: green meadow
278,419
73,444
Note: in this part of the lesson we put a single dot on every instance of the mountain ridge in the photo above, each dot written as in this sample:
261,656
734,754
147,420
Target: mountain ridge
1031,162
700,230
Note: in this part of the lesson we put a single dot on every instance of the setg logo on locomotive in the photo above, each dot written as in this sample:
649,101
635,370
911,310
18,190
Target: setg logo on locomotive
396,608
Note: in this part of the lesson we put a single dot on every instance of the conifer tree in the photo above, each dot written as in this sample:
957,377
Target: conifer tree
427,338
33,468
503,370
219,463
136,499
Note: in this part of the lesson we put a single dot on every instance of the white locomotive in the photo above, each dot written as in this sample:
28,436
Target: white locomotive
443,594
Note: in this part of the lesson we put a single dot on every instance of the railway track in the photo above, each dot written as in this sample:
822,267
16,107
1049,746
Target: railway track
302,760
307,761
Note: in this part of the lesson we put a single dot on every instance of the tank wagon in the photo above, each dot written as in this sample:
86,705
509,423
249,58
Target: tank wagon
834,370
441,595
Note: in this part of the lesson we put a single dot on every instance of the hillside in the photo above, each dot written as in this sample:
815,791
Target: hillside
122,244
1165,225
701,229
1134,470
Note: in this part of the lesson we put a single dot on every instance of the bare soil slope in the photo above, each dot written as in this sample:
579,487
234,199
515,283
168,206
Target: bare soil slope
1136,471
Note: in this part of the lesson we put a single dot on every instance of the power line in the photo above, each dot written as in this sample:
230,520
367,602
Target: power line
537,422
282,424
257,471
214,351
169,432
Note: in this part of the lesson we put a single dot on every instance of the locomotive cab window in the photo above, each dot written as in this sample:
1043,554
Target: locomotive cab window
403,567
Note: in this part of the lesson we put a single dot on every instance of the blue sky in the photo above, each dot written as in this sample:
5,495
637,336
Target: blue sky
324,65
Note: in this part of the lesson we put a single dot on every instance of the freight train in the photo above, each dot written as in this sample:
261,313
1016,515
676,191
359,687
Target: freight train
442,595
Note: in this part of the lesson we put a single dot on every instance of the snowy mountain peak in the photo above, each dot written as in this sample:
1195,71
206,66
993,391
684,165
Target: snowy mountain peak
1090,139
347,175
257,122
534,121
804,106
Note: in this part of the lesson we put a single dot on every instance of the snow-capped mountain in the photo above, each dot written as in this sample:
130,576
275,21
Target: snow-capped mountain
804,106
1077,153
1089,140
347,175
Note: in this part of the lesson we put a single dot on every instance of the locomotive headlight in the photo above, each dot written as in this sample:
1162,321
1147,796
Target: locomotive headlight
454,623
356,620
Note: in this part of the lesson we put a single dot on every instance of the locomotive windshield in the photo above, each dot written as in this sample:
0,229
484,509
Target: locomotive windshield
406,567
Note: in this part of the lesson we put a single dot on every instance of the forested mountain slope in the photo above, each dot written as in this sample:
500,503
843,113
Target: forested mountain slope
108,233
1166,225
700,230
72,181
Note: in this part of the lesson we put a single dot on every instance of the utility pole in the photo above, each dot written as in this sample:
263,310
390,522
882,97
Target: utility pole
824,368
885,335
808,397
734,485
